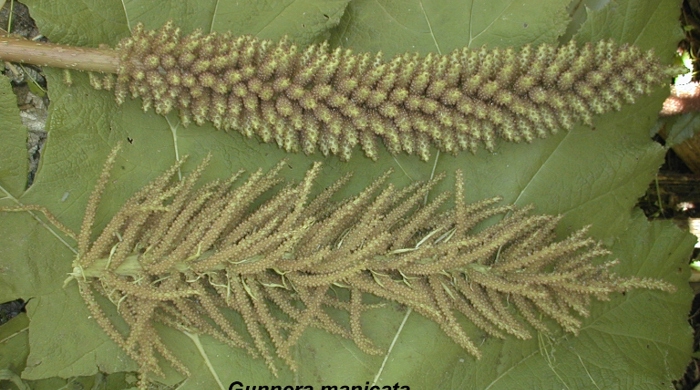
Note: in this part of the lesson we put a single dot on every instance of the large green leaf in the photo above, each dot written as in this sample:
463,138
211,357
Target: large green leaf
590,175
14,348
13,148
440,26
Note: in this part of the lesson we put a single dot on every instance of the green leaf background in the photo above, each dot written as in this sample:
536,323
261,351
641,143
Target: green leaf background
592,176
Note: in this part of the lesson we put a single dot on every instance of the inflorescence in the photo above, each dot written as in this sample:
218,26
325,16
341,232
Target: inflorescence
186,256
333,99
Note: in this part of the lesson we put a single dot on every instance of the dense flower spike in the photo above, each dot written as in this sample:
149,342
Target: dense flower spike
184,256
312,98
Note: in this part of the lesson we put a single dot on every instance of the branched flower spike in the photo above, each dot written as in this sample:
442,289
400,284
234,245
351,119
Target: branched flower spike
186,255
317,98
312,98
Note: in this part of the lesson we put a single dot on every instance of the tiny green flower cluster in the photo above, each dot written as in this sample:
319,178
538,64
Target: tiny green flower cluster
333,100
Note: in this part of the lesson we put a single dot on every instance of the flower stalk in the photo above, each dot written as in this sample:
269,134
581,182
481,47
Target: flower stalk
25,51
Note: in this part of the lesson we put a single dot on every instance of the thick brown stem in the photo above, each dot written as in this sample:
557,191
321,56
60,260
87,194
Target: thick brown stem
24,51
